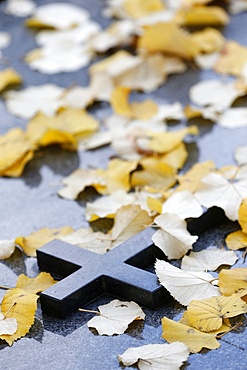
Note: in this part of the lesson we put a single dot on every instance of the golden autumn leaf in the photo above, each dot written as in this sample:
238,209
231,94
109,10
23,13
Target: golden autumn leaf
139,9
116,176
21,306
231,281
15,151
236,240
232,59
68,126
140,110
35,285
9,77
208,314
242,214
202,16
37,239
194,339
209,41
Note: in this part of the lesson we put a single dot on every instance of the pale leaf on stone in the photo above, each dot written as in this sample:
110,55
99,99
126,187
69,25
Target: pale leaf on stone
7,248
183,204
8,326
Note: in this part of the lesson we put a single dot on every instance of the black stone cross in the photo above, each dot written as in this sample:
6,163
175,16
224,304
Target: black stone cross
87,274
120,272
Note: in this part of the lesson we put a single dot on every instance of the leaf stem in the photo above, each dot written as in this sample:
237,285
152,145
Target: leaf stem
218,336
5,287
90,311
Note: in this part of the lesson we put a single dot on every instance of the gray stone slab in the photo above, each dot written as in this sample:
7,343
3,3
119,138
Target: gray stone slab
30,202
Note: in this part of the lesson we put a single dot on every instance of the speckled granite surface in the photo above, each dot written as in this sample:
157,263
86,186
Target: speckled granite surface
30,202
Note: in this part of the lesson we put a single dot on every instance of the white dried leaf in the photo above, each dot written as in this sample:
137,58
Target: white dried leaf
7,248
214,92
115,317
216,190
207,61
97,242
173,237
5,39
156,356
20,8
95,141
208,260
183,204
78,97
233,118
185,286
62,56
241,155
60,15
8,326
238,6
26,103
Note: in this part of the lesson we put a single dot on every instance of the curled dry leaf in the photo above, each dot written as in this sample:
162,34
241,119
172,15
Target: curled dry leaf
7,248
208,259
172,237
37,239
115,317
20,306
185,286
194,339
156,356
232,281
208,314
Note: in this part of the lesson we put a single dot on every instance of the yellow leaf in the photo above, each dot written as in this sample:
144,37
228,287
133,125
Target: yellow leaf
39,238
242,213
154,204
15,152
67,127
236,240
140,8
194,339
231,281
35,285
116,176
232,59
168,38
140,110
209,40
208,314
176,157
163,142
191,179
9,77
155,176
21,306
202,16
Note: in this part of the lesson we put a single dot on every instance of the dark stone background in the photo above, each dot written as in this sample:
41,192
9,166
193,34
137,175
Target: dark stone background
30,202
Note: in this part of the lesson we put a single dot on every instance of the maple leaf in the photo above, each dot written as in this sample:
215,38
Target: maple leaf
185,286
194,339
35,285
208,314
209,259
183,204
9,77
172,238
216,190
115,317
20,306
7,248
37,239
15,151
156,356
232,281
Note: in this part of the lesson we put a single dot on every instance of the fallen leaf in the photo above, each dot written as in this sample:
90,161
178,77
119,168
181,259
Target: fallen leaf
194,339
5,39
9,77
202,16
236,240
37,239
238,6
20,8
242,212
240,155
138,9
208,314
35,285
185,286
8,326
183,204
7,248
67,127
115,317
232,59
209,40
156,356
233,118
15,151
231,281
20,306
208,259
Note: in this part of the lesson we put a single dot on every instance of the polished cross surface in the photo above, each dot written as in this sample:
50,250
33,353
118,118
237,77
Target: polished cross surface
120,272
